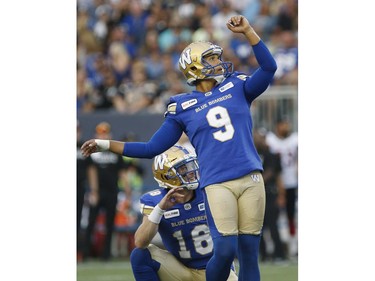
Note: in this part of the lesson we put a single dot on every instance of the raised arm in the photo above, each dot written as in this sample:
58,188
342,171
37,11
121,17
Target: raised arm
239,24
261,78
150,224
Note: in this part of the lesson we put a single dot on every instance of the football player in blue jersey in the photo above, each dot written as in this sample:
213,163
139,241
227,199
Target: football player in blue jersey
177,212
217,119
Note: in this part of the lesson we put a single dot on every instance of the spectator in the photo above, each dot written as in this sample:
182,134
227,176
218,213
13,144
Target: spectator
275,198
84,91
265,20
138,93
286,56
287,17
135,21
133,176
225,12
173,35
240,48
120,52
103,14
206,31
285,143
201,11
249,8
168,86
108,96
103,182
158,16
83,166
152,58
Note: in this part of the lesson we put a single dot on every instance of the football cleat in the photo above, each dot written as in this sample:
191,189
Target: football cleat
176,167
194,66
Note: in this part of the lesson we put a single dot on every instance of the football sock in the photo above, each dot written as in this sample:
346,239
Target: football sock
218,267
143,266
248,250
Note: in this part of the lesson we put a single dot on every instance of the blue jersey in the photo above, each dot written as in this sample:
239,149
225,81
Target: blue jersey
219,126
183,228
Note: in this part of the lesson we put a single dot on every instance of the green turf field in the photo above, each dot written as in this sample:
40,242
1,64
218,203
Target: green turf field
121,270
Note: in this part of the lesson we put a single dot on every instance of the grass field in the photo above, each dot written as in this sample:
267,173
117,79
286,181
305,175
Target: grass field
121,270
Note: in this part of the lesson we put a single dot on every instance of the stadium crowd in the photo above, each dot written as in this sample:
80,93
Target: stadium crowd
128,50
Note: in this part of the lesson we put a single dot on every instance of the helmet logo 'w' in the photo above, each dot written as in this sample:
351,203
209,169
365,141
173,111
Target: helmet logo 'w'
185,58
159,162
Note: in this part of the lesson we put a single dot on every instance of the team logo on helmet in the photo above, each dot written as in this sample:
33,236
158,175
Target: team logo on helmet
185,58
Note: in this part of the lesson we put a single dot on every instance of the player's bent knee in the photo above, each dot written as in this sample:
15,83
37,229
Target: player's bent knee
140,256
143,266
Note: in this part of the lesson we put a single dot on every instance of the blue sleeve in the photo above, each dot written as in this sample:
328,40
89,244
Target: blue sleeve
167,135
262,77
147,200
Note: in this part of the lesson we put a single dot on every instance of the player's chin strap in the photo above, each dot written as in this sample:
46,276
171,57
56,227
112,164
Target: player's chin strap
219,78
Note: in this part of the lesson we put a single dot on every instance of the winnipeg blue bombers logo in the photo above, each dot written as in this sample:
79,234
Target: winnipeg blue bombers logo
159,161
187,206
255,178
185,58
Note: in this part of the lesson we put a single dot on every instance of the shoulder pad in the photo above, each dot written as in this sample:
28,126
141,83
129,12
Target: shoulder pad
155,192
173,101
145,209
172,107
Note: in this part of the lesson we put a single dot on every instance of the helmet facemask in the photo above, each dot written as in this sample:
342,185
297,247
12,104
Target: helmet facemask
187,172
209,70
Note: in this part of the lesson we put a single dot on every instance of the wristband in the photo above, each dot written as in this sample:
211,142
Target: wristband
156,215
103,145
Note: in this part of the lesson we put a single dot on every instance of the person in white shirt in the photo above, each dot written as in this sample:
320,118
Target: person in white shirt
285,142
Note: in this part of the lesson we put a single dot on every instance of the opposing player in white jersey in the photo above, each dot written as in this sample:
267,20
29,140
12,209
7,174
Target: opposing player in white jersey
216,117
285,143
177,212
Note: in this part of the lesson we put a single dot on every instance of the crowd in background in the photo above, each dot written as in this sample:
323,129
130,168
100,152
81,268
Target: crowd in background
127,50
127,62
